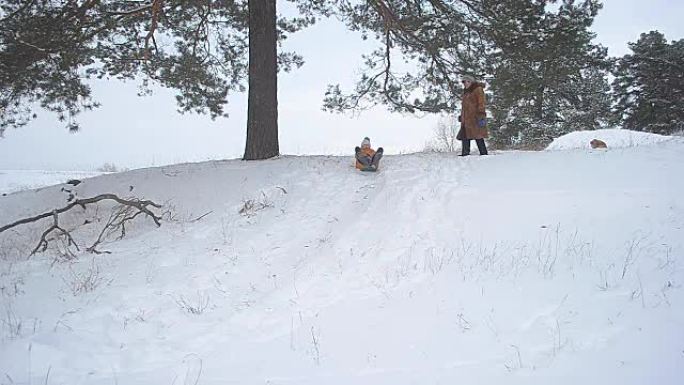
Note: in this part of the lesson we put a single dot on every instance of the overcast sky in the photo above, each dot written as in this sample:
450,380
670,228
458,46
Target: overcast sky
136,132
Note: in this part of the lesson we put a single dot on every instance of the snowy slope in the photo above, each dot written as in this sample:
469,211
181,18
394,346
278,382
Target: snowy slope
518,268
614,138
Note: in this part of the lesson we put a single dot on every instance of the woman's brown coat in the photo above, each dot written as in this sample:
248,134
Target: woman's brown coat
472,110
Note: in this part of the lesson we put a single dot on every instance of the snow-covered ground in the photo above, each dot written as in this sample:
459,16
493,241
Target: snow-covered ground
559,267
20,180
614,138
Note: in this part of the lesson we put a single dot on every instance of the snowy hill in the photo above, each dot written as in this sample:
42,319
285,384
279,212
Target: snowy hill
518,268
613,137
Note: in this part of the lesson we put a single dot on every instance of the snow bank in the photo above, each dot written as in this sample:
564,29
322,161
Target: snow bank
20,180
614,138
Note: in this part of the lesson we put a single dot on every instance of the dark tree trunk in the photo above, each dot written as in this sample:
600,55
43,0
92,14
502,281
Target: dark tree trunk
540,93
262,108
540,104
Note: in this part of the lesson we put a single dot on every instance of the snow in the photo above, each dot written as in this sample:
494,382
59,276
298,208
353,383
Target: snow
614,138
20,180
517,268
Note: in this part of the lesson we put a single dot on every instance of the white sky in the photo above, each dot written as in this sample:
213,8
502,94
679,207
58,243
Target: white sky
137,132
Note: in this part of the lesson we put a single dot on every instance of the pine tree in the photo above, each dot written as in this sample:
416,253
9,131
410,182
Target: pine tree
48,50
547,76
587,103
649,85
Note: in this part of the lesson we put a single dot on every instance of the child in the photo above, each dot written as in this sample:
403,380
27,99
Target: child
368,159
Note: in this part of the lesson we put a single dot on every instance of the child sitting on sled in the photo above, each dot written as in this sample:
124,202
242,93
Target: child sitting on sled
368,159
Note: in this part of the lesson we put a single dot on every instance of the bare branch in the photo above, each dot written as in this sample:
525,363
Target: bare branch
141,205
43,243
128,210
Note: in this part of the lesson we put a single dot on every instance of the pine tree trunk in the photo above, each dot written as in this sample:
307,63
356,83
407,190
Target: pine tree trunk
540,93
540,104
262,108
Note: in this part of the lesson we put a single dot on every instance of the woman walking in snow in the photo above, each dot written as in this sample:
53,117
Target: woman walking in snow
473,116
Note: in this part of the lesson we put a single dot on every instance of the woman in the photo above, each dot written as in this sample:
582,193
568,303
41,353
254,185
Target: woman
473,117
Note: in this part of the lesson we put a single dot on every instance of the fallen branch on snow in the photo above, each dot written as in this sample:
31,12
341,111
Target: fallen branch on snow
128,210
